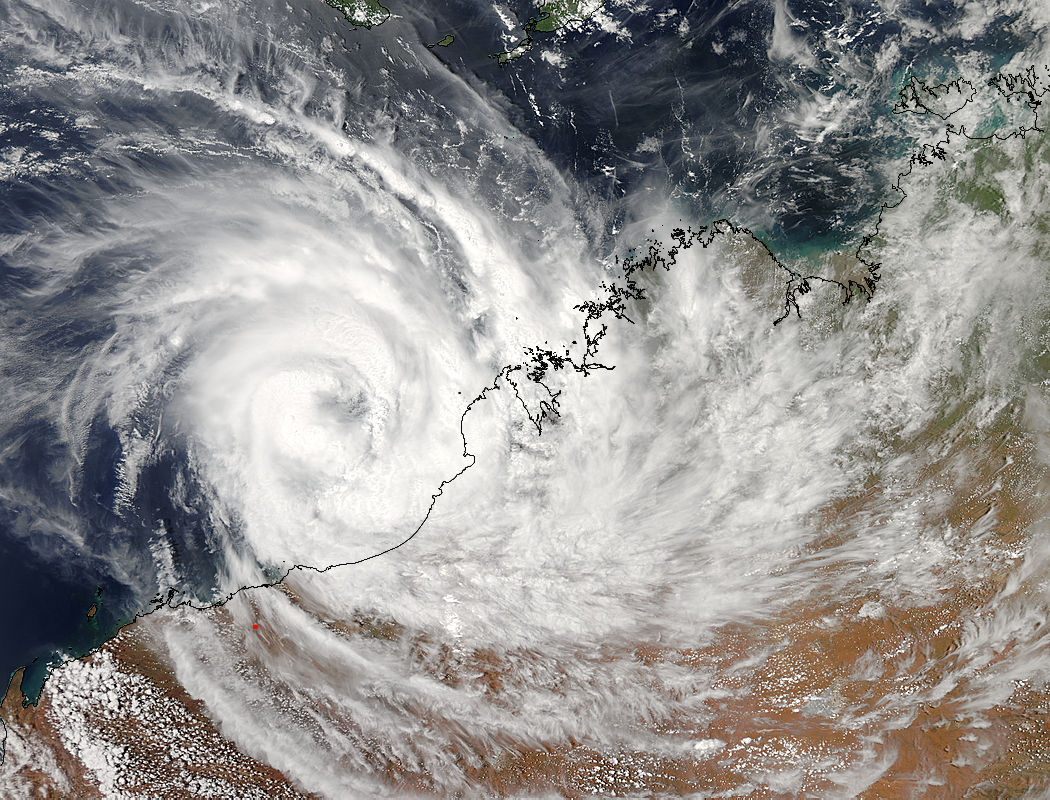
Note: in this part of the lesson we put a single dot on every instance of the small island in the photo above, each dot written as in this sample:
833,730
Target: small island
362,13
552,17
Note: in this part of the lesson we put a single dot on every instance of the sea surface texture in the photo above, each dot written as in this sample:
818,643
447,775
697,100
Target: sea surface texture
476,399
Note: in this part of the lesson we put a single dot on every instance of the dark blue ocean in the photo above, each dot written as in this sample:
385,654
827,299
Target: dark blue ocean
694,104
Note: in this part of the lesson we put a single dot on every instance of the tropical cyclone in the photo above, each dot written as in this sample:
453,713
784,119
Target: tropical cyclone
255,278
143,686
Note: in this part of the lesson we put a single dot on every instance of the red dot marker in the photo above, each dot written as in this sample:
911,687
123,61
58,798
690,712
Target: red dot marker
255,627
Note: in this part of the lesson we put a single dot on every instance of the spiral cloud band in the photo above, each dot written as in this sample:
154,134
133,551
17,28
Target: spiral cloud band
431,451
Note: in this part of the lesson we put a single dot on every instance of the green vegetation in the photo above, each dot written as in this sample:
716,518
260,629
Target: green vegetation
978,180
363,13
560,13
553,16
942,100
514,52
444,42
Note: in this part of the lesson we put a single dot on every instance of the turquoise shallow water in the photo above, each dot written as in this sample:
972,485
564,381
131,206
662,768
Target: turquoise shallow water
89,634
175,239
46,617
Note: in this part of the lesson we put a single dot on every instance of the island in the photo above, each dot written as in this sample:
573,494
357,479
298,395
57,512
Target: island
553,16
445,41
362,13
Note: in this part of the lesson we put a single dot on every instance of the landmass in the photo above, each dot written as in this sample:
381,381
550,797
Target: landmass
532,379
362,13
1022,92
552,17
110,734
941,100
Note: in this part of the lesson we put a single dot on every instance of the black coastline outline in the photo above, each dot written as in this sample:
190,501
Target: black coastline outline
1026,87
915,98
